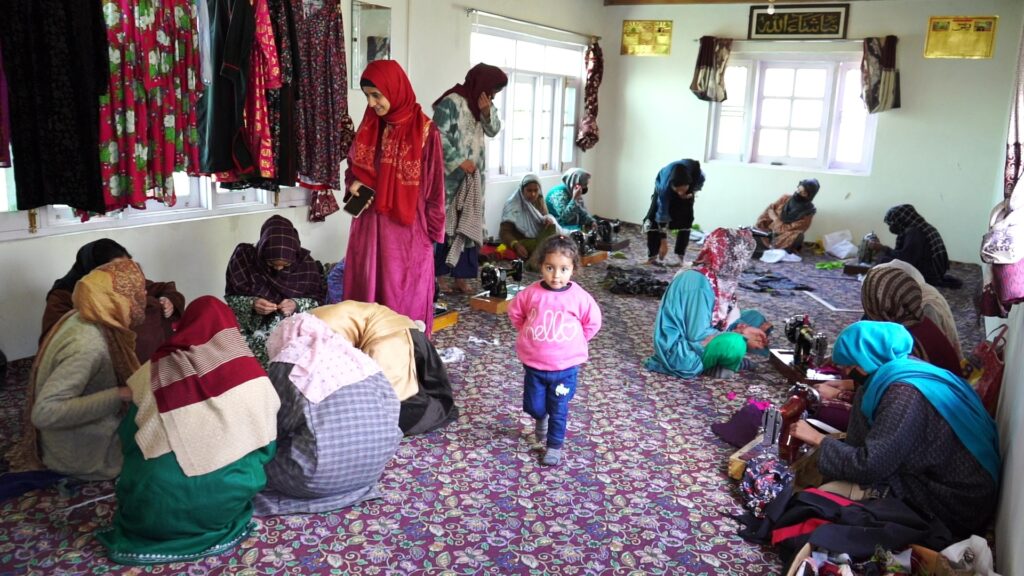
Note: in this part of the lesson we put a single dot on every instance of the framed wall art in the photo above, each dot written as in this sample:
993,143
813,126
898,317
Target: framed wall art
961,37
798,22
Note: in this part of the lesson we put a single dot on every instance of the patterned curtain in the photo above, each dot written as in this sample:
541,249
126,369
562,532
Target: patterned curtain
589,132
1013,137
709,75
880,80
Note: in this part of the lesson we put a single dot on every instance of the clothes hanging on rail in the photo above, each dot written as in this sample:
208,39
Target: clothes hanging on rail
55,61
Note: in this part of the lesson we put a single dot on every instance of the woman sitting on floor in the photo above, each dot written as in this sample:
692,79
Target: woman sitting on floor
919,244
271,281
889,294
196,438
565,200
76,391
917,432
407,357
338,424
699,327
163,301
525,222
934,304
675,190
789,217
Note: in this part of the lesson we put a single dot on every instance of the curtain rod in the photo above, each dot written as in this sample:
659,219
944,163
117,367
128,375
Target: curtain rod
593,37
794,40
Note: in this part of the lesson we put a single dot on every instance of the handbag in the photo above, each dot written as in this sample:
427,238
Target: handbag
1008,282
986,368
989,303
322,205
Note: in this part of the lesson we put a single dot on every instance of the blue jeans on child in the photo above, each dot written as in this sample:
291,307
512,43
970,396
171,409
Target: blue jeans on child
547,393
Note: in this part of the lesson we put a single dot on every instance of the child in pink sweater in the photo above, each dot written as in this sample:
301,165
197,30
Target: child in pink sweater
555,319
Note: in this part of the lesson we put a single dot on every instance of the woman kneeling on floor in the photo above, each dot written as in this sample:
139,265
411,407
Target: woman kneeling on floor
195,440
699,327
338,424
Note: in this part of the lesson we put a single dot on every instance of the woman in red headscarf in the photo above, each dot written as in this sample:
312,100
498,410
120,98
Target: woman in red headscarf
396,153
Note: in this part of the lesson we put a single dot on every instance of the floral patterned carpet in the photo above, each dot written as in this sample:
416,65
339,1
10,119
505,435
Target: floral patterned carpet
642,488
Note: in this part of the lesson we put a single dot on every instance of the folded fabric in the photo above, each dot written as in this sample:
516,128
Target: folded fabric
830,265
742,427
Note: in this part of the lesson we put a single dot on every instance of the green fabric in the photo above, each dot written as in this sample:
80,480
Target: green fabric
257,328
462,138
830,265
164,516
570,214
532,244
725,350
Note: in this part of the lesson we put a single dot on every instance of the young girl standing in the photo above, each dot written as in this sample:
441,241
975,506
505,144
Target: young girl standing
555,319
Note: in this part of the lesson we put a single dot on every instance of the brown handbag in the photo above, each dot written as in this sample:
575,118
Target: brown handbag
986,368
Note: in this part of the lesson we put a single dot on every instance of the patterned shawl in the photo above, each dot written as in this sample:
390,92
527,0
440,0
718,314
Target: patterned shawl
113,297
525,215
797,207
397,177
480,78
323,360
882,350
903,217
250,275
725,255
203,395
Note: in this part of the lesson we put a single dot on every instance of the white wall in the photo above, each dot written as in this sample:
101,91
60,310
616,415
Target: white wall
941,151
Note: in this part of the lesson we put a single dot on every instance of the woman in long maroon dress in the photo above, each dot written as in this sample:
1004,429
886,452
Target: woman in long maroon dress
397,153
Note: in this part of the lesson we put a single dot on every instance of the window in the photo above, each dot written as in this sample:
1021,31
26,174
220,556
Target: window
538,107
784,111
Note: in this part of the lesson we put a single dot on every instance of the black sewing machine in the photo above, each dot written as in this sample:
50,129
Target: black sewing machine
584,241
608,235
809,347
495,280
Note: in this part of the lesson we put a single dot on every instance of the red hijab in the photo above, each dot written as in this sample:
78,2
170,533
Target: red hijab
480,78
396,175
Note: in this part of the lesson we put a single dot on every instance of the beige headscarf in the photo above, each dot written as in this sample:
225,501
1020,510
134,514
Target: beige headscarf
113,297
935,306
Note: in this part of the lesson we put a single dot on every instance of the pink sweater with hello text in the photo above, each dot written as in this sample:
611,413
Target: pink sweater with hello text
554,327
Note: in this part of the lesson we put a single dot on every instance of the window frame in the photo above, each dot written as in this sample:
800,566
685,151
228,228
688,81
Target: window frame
756,63
561,85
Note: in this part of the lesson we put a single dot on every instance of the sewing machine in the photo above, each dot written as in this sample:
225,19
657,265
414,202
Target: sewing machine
810,348
497,292
608,235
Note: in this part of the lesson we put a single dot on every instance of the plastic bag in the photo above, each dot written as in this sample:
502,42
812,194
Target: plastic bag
840,244
972,555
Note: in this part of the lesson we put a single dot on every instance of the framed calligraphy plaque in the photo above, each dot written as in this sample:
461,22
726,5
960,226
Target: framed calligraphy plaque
798,22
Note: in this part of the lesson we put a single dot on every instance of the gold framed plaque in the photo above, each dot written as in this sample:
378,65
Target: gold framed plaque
961,37
646,37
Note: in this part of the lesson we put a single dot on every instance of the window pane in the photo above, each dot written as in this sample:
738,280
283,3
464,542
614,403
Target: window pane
8,201
568,141
736,84
730,135
778,82
810,82
803,144
772,142
529,56
807,113
563,61
775,112
493,50
853,117
545,124
569,112
521,150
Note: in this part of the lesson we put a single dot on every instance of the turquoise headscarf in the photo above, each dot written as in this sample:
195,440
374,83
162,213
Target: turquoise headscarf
882,350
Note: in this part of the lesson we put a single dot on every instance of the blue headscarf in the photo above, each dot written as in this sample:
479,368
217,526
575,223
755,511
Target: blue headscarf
882,350
676,173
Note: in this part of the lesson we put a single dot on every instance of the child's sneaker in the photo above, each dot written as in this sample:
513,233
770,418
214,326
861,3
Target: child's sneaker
552,457
540,429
